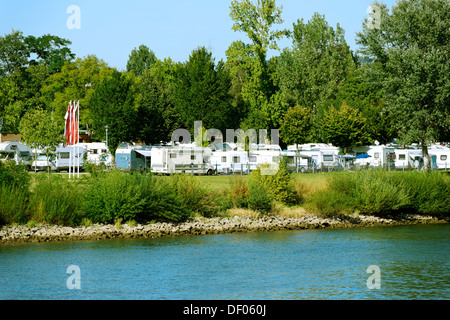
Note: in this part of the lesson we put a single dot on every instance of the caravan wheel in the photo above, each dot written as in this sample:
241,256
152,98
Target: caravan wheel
209,173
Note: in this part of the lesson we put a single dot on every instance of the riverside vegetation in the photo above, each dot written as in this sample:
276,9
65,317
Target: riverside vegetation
117,197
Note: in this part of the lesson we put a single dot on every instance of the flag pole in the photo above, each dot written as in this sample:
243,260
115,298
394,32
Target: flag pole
78,135
70,138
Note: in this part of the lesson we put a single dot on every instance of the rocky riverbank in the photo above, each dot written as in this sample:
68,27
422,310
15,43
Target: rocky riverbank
198,226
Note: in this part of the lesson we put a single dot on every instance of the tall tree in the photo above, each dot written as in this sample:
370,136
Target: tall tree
202,92
257,20
76,81
14,53
113,105
50,50
410,51
296,125
344,127
140,59
317,65
40,131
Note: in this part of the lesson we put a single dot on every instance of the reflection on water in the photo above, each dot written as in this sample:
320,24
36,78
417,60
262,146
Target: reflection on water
309,264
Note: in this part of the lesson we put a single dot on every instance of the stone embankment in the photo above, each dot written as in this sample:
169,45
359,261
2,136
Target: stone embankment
197,226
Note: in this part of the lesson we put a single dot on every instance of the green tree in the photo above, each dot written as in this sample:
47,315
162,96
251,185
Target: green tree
296,125
14,53
76,81
140,59
113,104
344,127
317,65
50,50
202,92
40,131
410,53
257,20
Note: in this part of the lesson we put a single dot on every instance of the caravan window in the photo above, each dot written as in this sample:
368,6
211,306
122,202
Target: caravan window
64,155
173,155
192,157
252,159
327,157
224,159
401,157
443,158
376,155
236,159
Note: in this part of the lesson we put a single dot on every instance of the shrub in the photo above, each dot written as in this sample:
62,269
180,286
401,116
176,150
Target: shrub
239,192
55,200
279,185
381,192
113,196
14,175
259,198
13,204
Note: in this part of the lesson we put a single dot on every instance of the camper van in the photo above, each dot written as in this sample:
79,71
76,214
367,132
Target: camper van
60,160
378,156
442,155
408,159
324,157
134,158
17,152
225,159
98,153
264,154
297,162
186,158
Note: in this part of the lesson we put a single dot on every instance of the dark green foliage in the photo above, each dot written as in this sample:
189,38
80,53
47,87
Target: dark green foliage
55,200
379,192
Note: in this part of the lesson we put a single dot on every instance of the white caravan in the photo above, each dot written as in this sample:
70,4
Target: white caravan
325,157
226,159
297,162
183,158
264,154
98,153
60,159
380,156
442,156
15,151
408,158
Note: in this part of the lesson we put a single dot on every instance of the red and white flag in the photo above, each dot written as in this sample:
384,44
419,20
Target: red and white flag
68,127
75,124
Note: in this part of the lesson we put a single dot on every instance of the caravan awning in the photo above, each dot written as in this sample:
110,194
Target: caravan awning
145,153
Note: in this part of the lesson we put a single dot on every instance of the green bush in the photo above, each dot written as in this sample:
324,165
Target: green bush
380,192
259,198
239,192
14,175
56,200
279,184
113,196
13,205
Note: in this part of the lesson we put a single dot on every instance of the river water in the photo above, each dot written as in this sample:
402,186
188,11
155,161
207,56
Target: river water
408,262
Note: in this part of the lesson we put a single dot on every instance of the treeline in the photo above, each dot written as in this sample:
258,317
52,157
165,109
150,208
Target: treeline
317,90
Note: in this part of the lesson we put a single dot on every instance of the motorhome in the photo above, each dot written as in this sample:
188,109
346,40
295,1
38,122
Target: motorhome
98,153
225,159
264,154
182,158
378,156
442,155
297,162
15,151
134,158
325,157
60,160
408,159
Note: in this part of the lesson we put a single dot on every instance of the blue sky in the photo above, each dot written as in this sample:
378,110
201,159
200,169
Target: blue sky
170,28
